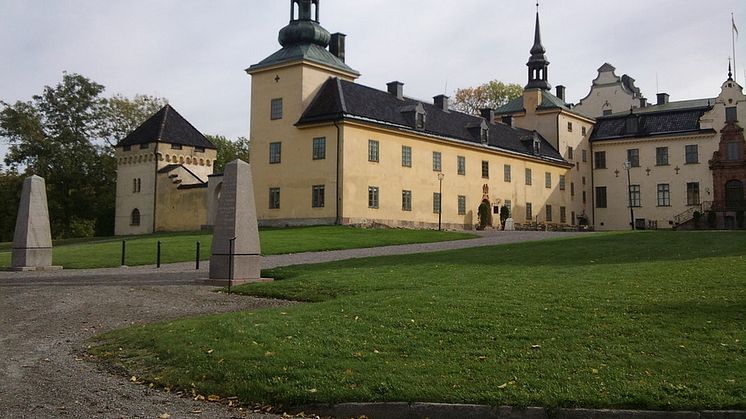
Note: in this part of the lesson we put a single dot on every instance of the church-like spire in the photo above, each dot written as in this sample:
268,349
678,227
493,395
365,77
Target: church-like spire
304,25
538,65
730,71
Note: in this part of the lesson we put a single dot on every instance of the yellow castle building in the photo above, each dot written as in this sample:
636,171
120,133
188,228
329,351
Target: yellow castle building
327,150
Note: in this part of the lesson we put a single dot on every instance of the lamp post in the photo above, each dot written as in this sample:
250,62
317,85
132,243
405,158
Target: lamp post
627,167
440,200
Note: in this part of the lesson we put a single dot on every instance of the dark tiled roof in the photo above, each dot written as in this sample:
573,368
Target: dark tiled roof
307,52
338,99
672,118
167,126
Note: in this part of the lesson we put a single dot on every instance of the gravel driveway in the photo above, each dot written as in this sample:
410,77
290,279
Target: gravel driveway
45,319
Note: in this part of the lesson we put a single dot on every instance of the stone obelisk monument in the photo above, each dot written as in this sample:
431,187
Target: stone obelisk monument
32,239
235,242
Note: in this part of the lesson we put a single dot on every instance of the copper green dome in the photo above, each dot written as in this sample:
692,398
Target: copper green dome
304,32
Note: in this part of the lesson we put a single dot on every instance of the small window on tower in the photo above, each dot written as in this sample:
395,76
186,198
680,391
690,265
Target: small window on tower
731,114
276,109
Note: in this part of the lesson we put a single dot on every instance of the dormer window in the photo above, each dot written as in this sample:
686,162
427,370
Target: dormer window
485,135
631,125
420,120
537,144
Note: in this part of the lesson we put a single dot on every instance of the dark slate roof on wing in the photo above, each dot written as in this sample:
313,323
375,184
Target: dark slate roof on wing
667,119
339,99
167,126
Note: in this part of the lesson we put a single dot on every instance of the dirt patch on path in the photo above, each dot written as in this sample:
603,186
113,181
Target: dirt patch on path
44,328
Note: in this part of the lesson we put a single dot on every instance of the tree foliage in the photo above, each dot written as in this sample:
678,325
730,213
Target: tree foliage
10,192
492,94
229,150
65,135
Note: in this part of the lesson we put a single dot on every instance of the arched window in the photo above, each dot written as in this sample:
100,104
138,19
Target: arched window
135,218
734,196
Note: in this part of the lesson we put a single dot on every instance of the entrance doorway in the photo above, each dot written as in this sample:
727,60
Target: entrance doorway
734,194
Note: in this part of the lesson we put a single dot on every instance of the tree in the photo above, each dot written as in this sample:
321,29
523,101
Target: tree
11,184
492,94
229,150
65,135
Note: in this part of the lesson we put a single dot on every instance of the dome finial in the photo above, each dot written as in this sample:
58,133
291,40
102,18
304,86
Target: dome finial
730,71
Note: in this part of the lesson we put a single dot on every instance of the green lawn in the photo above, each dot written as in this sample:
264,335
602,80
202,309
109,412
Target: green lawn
653,320
181,247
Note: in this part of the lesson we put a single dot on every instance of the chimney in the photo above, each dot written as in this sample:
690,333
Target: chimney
662,98
441,102
396,88
488,114
337,45
508,120
561,92
643,102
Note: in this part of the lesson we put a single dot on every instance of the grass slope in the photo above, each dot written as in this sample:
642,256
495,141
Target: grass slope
180,247
633,320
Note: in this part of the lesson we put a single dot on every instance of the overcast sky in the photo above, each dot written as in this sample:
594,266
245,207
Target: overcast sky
194,52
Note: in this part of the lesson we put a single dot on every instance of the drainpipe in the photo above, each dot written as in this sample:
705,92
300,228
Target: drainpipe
338,220
593,180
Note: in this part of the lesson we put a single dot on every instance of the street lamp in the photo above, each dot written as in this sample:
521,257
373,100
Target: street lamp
440,200
627,167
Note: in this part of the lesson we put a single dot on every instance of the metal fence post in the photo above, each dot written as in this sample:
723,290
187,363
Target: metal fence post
196,261
158,256
124,245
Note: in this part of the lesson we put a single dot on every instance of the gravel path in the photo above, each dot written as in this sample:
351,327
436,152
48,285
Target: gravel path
46,317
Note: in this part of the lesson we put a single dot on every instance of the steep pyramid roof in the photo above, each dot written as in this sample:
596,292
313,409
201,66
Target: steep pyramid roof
167,126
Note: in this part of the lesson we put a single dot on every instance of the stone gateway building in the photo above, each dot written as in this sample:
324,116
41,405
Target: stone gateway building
327,150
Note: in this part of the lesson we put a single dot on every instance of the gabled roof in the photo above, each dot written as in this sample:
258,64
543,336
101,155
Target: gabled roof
343,100
671,118
167,126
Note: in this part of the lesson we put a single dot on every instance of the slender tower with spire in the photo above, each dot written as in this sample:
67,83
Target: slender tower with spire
538,65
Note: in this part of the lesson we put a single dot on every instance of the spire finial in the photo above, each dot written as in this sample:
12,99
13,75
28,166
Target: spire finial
730,72
538,65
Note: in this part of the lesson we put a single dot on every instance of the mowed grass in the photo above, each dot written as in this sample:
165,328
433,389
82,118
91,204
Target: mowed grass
653,320
181,247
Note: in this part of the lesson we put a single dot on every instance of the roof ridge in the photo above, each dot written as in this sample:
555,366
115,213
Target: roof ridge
163,122
342,103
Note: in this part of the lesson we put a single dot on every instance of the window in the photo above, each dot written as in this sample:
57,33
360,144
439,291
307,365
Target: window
607,112
135,217
731,114
274,198
572,188
461,163
601,197
692,193
406,200
661,156
549,213
134,185
548,180
373,197
569,127
317,199
373,148
562,182
436,203
528,177
529,212
437,161
406,156
664,195
485,169
585,197
175,146
563,215
583,130
692,154
599,158
634,196
276,109
734,151
633,156
144,146
585,155
461,205
584,181
420,120
485,135
319,148
275,153
569,153
507,175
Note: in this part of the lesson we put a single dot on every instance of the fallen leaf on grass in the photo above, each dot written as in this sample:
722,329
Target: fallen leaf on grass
213,398
164,416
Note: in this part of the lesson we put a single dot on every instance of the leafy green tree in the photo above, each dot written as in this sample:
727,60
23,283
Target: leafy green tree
65,135
11,184
492,94
229,150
